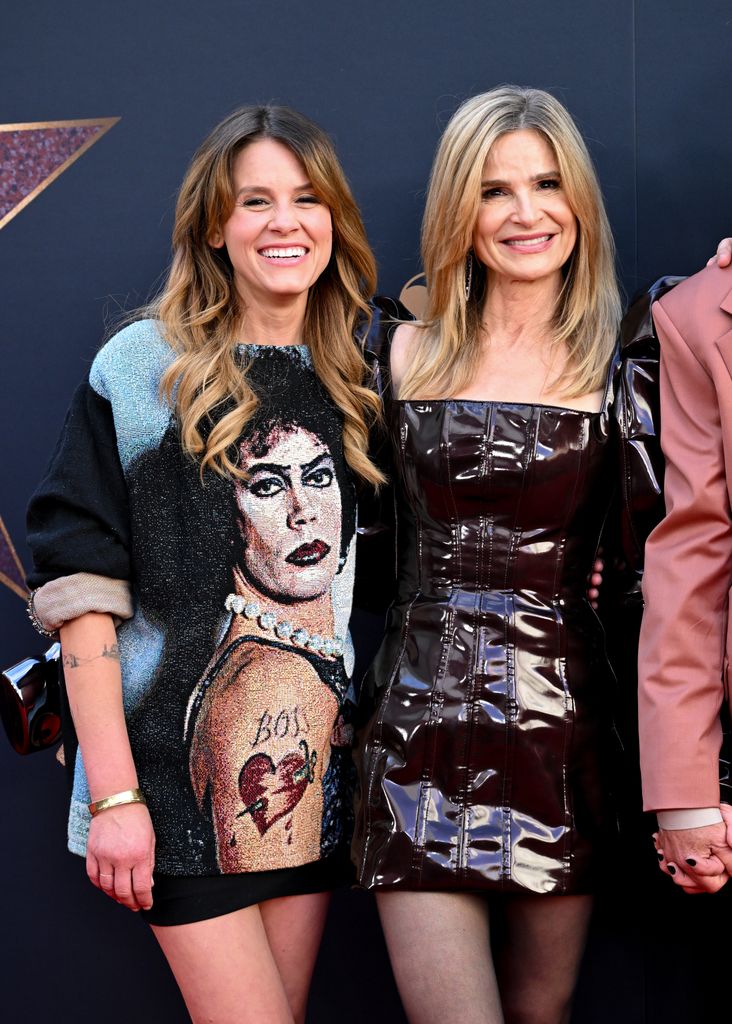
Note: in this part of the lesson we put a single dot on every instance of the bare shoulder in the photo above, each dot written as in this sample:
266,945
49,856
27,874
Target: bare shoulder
403,345
251,672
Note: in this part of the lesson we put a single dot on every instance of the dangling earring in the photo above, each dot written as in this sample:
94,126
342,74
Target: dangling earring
468,275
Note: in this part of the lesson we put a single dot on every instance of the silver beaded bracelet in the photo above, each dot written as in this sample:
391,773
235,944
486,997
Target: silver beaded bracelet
35,621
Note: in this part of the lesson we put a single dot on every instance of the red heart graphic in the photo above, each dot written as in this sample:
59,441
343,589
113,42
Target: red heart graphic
270,791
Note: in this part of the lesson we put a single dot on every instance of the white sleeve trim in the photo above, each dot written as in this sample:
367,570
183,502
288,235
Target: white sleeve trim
688,817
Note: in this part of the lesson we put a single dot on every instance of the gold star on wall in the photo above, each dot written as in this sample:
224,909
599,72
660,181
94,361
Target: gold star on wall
12,573
34,154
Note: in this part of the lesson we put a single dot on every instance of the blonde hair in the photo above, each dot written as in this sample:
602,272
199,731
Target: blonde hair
200,310
588,310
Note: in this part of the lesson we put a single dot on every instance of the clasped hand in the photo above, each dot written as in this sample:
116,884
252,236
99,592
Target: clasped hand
698,859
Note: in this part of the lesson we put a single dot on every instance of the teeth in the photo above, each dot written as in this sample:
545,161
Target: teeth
528,241
293,250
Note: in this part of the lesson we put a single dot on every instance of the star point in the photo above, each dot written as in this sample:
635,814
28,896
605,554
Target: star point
33,154
12,573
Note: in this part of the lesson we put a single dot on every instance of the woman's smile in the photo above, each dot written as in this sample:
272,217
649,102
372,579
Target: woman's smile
528,243
284,255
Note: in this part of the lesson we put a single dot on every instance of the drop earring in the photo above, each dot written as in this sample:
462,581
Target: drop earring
468,275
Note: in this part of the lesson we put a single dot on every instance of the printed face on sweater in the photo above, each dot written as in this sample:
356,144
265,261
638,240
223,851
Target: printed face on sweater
280,235
290,515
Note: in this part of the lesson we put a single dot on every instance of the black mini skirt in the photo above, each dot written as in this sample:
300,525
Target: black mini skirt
183,899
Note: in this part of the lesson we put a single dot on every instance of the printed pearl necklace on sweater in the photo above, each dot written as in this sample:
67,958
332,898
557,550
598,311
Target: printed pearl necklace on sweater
328,646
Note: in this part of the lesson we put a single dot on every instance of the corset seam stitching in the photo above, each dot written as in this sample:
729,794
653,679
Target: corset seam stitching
457,581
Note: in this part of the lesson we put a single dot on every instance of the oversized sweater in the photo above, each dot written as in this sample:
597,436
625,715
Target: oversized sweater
235,656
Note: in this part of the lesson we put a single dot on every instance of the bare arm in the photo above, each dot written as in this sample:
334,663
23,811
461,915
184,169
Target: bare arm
120,851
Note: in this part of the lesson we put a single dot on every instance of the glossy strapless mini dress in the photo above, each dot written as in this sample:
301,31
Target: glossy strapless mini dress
484,765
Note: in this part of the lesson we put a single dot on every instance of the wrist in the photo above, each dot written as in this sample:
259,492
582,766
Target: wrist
113,778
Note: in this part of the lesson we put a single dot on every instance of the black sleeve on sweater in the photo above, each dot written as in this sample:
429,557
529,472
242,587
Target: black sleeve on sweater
78,519
375,587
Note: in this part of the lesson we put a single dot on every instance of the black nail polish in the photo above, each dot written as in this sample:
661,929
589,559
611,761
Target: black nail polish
691,862
671,869
659,854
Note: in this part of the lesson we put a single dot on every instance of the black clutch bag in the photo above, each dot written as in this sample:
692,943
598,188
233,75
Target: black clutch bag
31,702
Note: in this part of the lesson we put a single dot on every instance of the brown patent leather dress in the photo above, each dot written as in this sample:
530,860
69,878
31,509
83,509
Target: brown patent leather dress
484,766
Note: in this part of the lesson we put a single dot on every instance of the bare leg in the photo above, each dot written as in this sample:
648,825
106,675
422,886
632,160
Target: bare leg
294,927
439,945
225,969
538,966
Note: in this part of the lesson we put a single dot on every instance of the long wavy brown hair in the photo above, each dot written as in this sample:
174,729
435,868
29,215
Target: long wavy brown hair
588,309
200,311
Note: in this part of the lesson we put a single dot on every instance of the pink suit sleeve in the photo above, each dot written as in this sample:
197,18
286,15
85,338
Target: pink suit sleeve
686,585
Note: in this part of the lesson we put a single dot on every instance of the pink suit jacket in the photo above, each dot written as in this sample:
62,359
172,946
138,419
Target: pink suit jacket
685,638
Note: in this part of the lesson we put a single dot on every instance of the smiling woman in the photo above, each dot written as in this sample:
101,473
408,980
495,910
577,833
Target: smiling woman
214,450
484,769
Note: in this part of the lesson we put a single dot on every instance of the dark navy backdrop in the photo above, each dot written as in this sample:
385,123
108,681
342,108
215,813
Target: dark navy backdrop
648,82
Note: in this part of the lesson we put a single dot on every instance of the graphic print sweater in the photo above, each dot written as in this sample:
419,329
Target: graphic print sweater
123,509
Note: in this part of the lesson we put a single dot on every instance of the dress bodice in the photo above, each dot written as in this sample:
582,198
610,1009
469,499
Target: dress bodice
504,496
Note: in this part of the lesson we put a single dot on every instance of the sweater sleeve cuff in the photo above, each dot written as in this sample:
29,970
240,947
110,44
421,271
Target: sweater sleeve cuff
688,817
68,597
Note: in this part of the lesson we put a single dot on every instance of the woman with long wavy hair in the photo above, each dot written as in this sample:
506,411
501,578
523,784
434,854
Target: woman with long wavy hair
202,499
517,421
